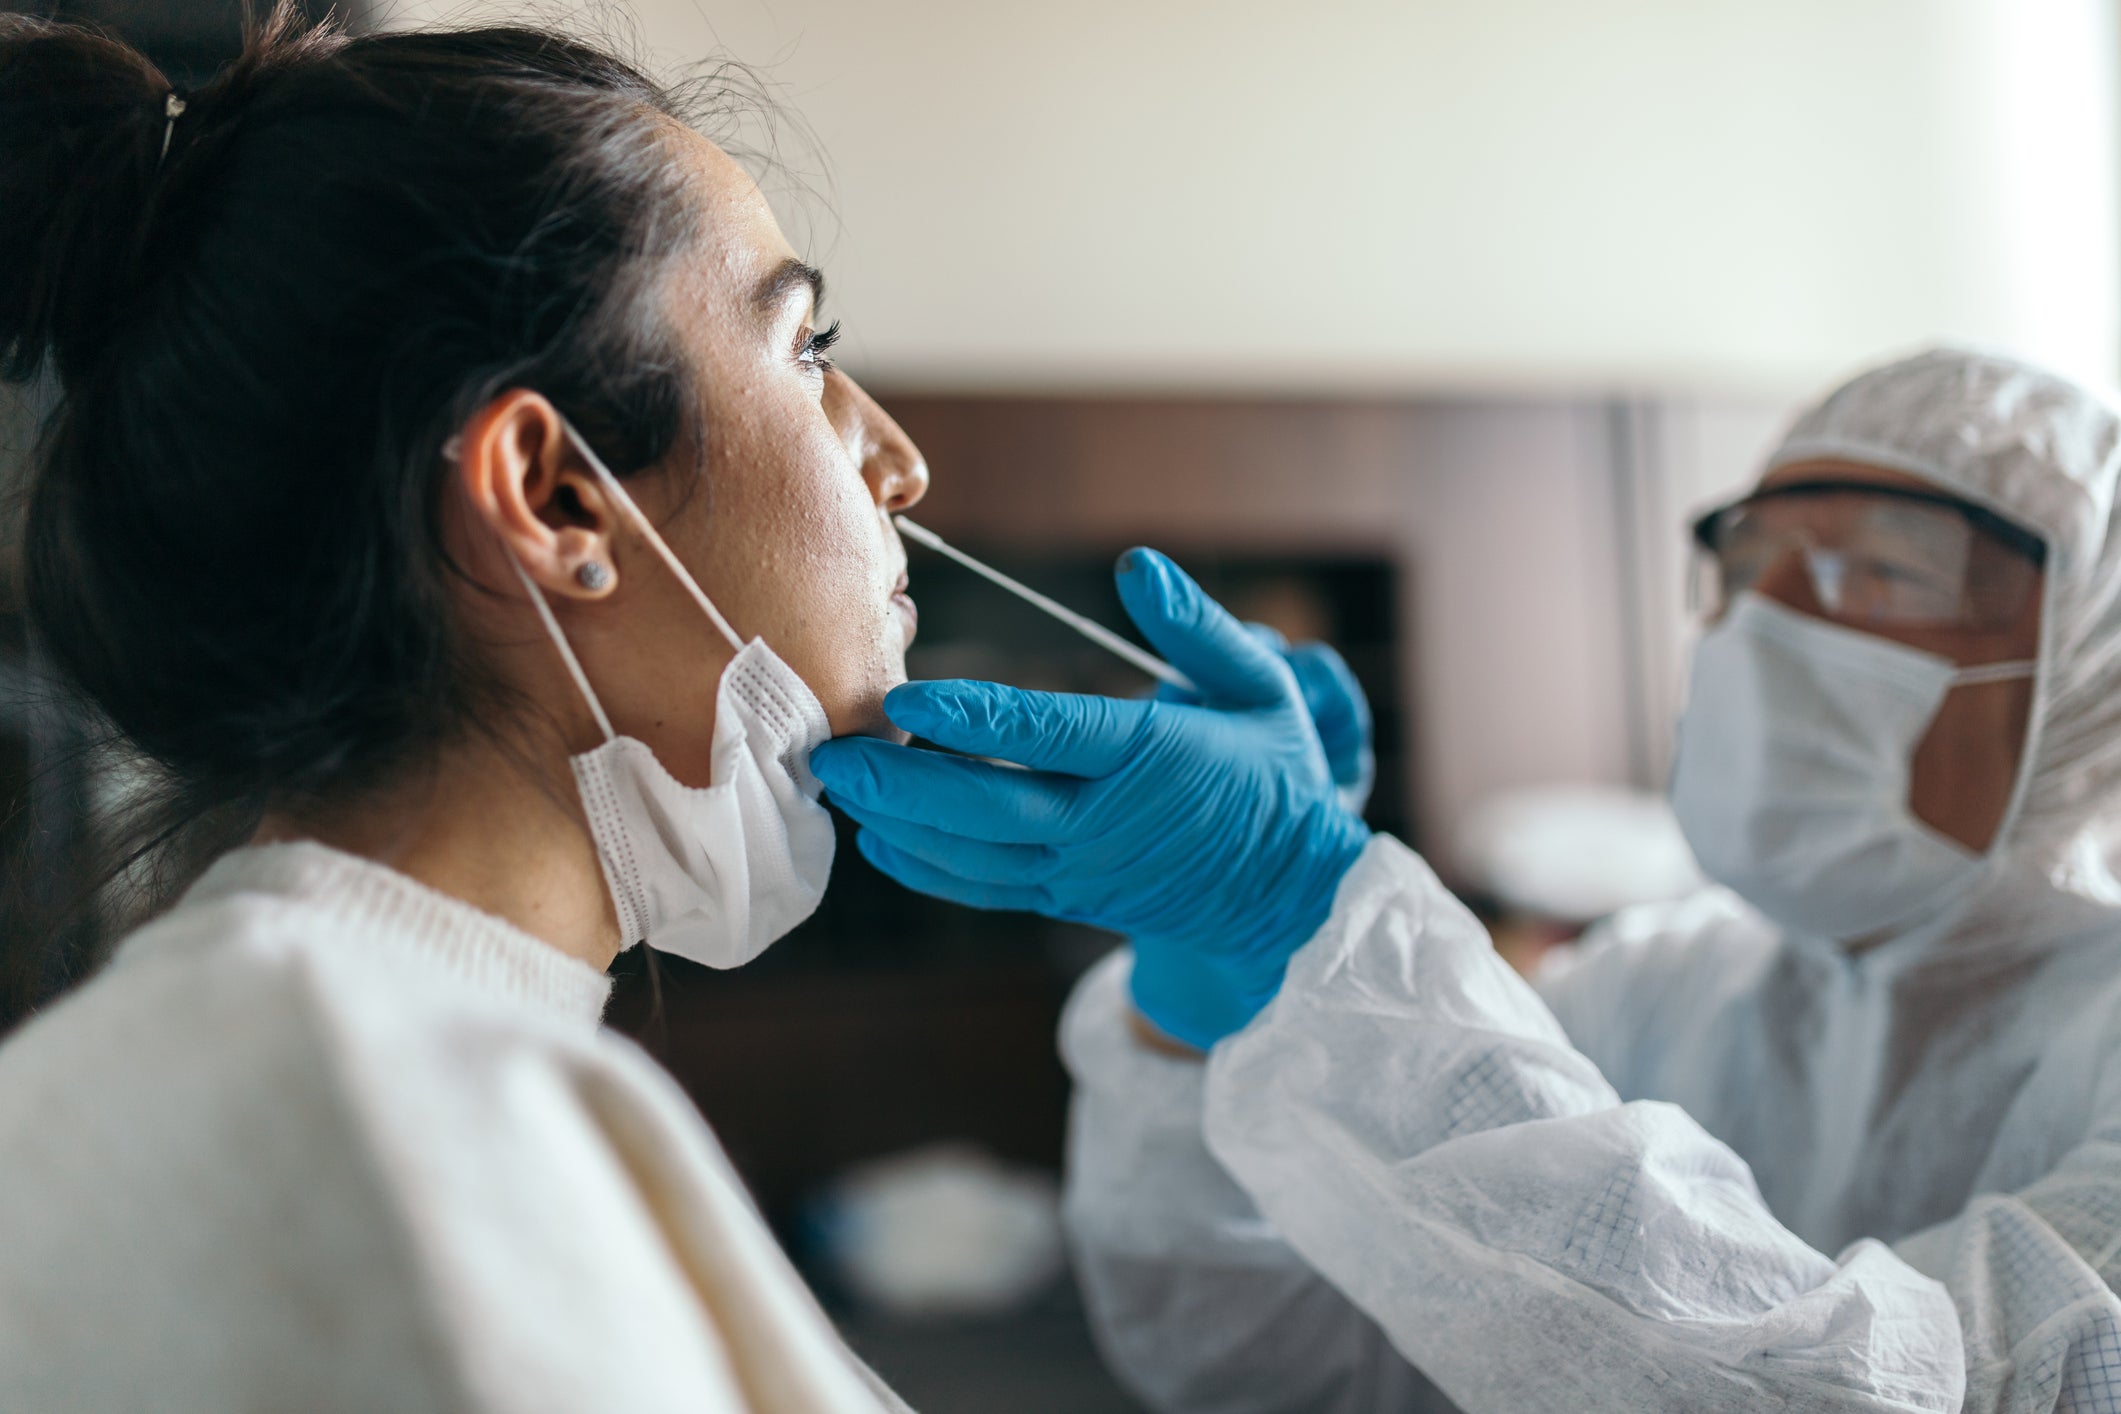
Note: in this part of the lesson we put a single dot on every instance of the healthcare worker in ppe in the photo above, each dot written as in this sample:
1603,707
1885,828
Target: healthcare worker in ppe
1843,1134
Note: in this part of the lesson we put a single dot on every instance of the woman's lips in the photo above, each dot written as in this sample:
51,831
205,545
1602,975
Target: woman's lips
909,613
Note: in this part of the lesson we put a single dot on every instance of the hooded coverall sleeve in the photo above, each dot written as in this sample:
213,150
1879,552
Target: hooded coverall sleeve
1197,1302
1409,1119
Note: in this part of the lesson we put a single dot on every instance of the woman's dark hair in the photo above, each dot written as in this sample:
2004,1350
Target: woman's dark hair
262,338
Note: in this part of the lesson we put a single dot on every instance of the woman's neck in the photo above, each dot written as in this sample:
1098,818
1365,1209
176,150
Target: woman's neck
473,824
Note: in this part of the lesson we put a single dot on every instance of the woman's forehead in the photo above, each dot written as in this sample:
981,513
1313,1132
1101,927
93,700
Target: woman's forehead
739,222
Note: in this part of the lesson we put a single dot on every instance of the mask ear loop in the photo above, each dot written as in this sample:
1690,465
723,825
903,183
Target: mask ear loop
451,449
559,641
2040,671
617,493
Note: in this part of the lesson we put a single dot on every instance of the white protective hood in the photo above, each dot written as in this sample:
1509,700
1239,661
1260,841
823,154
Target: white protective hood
2045,453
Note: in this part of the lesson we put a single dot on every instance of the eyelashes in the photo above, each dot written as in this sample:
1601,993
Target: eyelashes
815,345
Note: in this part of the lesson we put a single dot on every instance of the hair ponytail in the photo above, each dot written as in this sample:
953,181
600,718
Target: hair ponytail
81,121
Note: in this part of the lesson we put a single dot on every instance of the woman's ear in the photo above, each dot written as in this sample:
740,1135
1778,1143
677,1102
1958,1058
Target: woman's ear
528,486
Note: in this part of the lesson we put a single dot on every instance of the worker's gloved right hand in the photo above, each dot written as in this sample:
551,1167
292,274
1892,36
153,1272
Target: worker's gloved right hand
1211,835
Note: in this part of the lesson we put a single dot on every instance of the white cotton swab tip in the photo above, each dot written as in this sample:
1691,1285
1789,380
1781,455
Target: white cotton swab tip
1096,632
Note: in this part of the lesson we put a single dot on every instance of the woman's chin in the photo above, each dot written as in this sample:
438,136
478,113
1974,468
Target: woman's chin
862,714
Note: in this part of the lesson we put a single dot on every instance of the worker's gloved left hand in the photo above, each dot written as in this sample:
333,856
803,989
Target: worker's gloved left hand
1340,711
1210,834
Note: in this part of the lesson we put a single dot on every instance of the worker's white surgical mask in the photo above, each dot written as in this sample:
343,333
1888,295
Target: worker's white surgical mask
716,873
1791,780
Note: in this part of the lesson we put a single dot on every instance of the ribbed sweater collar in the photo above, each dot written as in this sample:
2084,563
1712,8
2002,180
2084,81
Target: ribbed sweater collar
489,953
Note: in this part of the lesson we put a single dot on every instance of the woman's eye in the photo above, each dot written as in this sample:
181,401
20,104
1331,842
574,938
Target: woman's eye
814,345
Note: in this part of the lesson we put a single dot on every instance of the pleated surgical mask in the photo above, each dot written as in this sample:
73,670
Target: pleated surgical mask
1792,774
712,873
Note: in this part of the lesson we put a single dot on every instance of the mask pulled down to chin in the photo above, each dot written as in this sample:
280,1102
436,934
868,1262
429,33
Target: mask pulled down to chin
716,873
1792,773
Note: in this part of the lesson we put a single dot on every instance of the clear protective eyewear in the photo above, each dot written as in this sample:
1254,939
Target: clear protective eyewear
1883,556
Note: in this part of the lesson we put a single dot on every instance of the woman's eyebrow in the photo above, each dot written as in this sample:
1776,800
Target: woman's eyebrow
790,274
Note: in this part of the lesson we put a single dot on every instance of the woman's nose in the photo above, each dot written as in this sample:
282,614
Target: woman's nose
893,468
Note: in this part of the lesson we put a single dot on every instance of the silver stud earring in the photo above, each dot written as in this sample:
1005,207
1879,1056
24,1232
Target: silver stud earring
593,575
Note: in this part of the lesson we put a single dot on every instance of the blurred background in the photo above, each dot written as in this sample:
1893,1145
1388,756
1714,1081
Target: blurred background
1415,326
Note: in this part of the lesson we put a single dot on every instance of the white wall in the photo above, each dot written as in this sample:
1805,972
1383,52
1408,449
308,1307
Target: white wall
1398,195
1668,460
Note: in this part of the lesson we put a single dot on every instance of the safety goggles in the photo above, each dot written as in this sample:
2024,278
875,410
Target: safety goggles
1874,556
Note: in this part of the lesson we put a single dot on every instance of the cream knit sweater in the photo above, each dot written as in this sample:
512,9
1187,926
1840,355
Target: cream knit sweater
323,1139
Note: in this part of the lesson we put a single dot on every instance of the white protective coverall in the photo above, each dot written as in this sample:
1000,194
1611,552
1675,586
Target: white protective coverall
1702,1163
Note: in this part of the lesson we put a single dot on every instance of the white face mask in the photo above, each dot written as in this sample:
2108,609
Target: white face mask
713,874
1791,780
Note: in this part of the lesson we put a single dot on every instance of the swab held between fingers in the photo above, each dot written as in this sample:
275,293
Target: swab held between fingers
1096,632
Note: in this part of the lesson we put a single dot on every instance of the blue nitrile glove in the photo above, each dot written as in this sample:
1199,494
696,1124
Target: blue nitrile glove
1339,710
1211,835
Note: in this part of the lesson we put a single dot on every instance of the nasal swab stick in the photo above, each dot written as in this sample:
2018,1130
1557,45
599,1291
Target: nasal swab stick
1096,632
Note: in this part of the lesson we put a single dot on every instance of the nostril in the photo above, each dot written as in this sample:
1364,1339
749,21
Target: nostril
909,484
